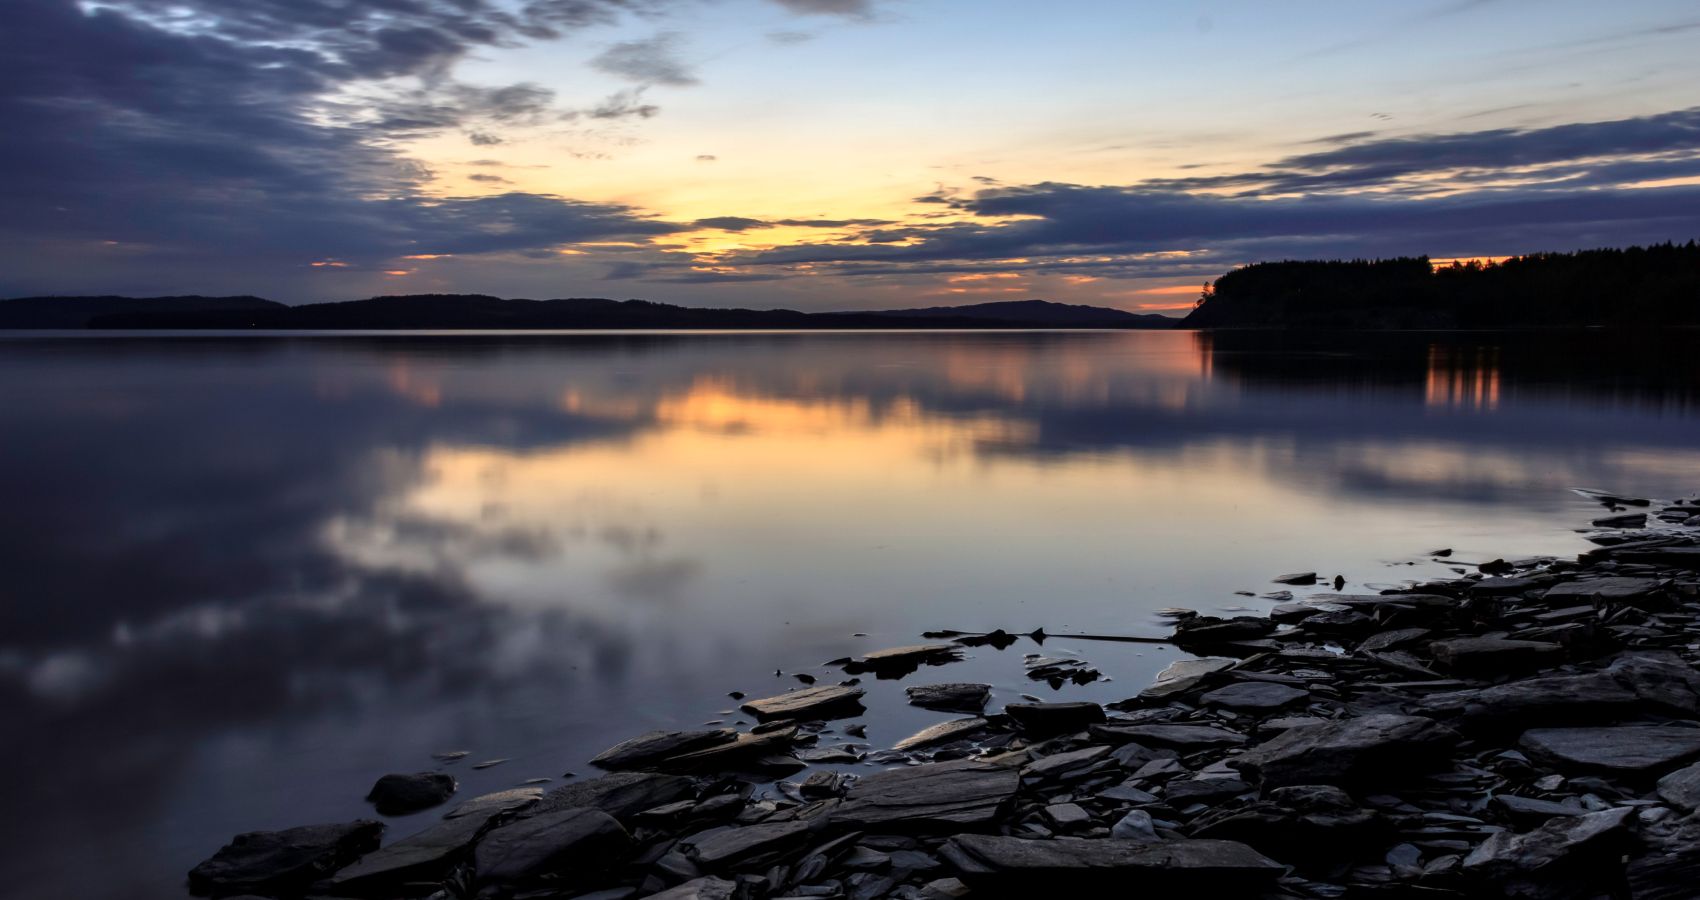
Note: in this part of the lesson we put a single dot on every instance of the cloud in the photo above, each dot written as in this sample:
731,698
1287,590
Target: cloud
648,61
731,223
790,37
624,105
851,9
706,157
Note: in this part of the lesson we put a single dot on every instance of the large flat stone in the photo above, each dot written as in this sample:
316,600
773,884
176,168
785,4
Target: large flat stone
1494,656
951,697
1623,749
1254,697
1681,788
1569,840
1629,685
657,746
898,661
526,849
948,796
1616,589
1071,865
622,795
1054,718
1183,675
824,702
419,857
943,732
1184,738
738,752
723,847
1362,751
283,862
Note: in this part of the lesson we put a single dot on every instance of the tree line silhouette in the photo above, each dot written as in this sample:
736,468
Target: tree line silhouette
1654,286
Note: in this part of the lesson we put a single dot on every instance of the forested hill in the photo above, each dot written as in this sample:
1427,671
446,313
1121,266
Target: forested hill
1657,286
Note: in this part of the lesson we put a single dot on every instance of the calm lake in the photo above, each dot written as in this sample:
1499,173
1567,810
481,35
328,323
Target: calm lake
246,575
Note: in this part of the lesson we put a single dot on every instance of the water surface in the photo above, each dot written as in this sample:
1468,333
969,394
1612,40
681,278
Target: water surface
246,575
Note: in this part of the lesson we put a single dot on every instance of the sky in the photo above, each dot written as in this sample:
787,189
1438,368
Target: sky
823,154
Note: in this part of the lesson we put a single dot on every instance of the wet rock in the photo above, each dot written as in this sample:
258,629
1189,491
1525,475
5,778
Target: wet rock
1494,656
1627,520
1181,794
1053,718
1059,766
1623,688
1254,697
1365,750
283,862
743,751
622,795
1624,749
1681,788
951,697
398,795
1206,630
656,746
565,839
1184,738
1611,590
1184,675
1572,845
706,888
1392,638
500,801
1296,578
1058,672
1079,864
899,661
1668,557
941,733
940,796
827,702
723,847
424,856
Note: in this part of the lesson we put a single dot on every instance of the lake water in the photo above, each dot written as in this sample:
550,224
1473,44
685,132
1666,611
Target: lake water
246,575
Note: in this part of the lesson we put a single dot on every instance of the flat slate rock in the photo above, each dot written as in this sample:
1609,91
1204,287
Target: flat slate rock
1054,718
947,796
622,795
726,846
1494,656
1296,578
1254,696
1611,589
824,702
740,751
418,857
1185,738
1681,788
1066,864
902,660
656,746
500,801
398,795
283,862
569,838
951,697
943,732
1627,686
1351,751
1183,675
1624,749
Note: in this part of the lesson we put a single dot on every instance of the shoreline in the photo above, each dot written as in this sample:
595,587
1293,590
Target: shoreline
1525,729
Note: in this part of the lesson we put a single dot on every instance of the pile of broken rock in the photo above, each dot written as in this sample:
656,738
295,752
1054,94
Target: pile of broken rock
1530,729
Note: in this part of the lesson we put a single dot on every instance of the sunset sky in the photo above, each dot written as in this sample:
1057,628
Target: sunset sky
823,154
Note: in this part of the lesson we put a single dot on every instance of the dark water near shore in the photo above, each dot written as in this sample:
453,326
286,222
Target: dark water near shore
244,576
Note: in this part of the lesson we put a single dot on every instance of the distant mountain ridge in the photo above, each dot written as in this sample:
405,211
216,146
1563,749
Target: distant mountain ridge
480,311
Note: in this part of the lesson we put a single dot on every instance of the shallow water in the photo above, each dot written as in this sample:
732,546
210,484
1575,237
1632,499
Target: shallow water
246,575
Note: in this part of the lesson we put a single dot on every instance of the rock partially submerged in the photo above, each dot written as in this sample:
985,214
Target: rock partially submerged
286,862
943,732
899,661
398,795
657,747
951,697
953,796
824,702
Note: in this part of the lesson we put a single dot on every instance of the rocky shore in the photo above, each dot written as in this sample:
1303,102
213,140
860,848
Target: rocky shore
1530,728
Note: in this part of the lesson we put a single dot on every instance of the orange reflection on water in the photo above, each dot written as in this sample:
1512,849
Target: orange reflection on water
1462,377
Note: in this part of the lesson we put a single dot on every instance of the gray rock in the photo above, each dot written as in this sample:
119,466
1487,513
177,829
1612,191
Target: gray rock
1205,630
1681,788
1625,749
653,747
943,732
1627,520
1054,718
398,795
1254,697
622,795
1067,816
706,888
419,857
1181,794
1571,840
951,697
1393,638
500,801
283,862
1531,808
1062,765
1617,589
741,751
1494,656
1183,675
902,660
1296,578
1135,826
723,847
947,796
1366,750
569,838
1185,738
1078,864
824,702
